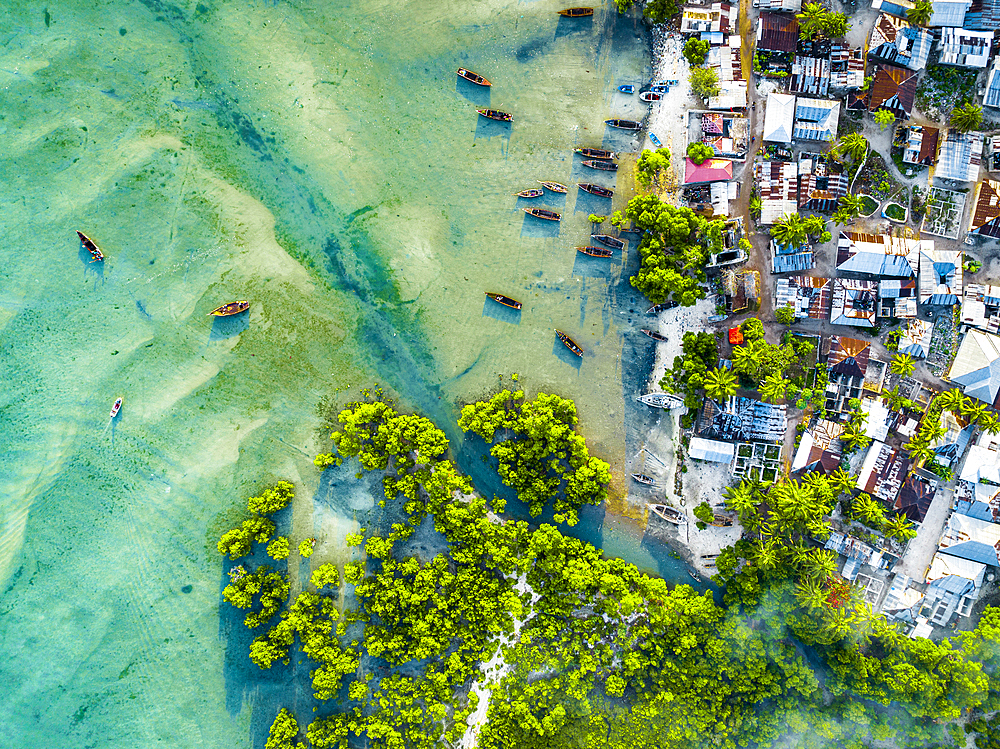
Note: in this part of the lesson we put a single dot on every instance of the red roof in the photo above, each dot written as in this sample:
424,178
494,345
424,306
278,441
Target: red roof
735,336
710,170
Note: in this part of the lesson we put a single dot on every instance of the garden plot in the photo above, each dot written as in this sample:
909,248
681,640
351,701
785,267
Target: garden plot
943,216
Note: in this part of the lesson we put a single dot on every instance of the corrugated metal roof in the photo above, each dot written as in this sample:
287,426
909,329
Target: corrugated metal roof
777,33
779,118
960,156
986,214
711,450
966,48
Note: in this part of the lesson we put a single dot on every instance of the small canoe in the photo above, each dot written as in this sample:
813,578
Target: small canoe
607,240
531,192
542,213
604,166
655,336
649,96
473,77
661,400
624,124
628,89
569,343
598,190
717,318
496,114
506,301
595,251
96,255
594,153
554,186
668,513
658,308
672,82
642,478
115,408
231,308
577,12
659,88
656,141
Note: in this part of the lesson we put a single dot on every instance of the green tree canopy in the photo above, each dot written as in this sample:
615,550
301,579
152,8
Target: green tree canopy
705,82
921,12
698,152
696,50
967,117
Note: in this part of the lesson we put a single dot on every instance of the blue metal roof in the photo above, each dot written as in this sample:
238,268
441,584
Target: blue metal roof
787,263
975,551
878,264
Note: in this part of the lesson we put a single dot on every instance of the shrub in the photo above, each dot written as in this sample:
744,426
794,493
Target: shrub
698,152
695,51
785,315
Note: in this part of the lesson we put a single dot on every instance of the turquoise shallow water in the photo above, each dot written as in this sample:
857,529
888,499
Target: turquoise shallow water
322,160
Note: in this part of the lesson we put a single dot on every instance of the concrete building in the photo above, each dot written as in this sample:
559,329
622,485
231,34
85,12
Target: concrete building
977,366
779,118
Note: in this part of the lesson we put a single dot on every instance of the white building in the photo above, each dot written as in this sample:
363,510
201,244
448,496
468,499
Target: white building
779,118
968,49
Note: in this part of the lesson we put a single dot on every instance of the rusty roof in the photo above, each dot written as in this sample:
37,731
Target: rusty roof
777,33
986,214
893,88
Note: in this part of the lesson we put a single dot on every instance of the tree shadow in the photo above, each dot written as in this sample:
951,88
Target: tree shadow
562,353
501,312
227,327
539,227
554,200
478,95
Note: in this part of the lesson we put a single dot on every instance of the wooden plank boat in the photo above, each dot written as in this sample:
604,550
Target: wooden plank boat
642,478
668,513
650,96
577,12
506,301
656,141
569,343
496,114
96,255
595,251
659,88
624,124
661,400
553,186
595,153
717,318
627,89
654,335
720,520
473,77
543,213
231,308
608,241
604,166
658,308
115,408
598,190
531,192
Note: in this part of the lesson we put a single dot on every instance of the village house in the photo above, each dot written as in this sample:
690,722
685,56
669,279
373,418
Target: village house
779,118
815,119
897,298
985,219
808,296
940,274
892,88
819,188
981,307
916,338
847,365
920,144
787,258
965,48
959,156
854,302
878,255
976,368
896,42
720,18
778,185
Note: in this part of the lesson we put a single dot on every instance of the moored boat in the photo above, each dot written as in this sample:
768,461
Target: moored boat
627,89
650,96
654,335
553,186
577,12
659,88
655,140
496,114
595,153
115,408
668,513
231,308
569,343
88,244
604,166
595,251
542,213
473,77
506,301
624,124
598,190
642,478
531,192
608,241
661,400
658,308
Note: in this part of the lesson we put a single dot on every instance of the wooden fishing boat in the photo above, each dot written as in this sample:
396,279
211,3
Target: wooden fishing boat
496,114
88,244
658,308
116,408
654,335
604,166
531,192
608,241
695,575
661,400
595,153
659,88
473,77
627,89
598,190
642,478
719,520
595,251
655,140
542,213
553,186
650,96
577,12
231,308
506,301
717,318
569,343
668,513
624,124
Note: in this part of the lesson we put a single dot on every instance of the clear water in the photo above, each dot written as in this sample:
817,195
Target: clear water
322,160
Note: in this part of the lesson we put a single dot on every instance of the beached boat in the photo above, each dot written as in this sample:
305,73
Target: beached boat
531,192
595,251
717,318
604,166
661,400
642,478
88,244
231,308
595,153
608,241
598,190
627,89
650,96
553,186
569,342
473,77
654,335
542,213
116,408
624,124
658,308
695,575
722,521
496,114
655,140
659,88
506,301
577,12
668,513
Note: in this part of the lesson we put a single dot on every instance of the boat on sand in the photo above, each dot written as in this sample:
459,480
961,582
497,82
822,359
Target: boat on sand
595,153
553,186
595,251
642,478
624,124
604,166
531,192
661,400
598,190
608,241
577,12
231,308
569,343
655,336
88,244
543,213
496,114
668,513
115,408
506,301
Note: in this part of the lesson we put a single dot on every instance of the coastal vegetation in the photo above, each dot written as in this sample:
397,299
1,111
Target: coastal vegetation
696,50
705,82
698,152
650,164
817,22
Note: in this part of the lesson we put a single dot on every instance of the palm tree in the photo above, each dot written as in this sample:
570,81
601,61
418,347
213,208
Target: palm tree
990,423
819,485
893,399
789,230
814,225
822,564
842,482
742,499
854,435
848,207
974,409
811,20
951,400
868,511
773,388
902,364
883,118
920,451
899,527
967,117
720,384
920,14
811,593
854,145
746,360
931,430
767,554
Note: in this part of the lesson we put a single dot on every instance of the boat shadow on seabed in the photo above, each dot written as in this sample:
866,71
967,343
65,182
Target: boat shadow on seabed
561,352
478,95
227,327
499,312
